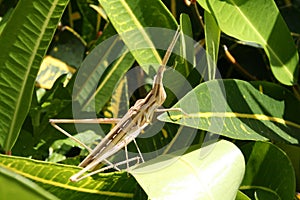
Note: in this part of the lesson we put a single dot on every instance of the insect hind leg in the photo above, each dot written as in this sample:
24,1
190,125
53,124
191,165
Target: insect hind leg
106,168
139,151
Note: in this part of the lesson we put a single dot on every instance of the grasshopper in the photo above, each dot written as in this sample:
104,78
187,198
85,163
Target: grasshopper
127,128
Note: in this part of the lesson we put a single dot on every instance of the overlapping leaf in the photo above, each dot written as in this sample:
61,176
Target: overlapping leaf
260,22
130,19
263,161
55,179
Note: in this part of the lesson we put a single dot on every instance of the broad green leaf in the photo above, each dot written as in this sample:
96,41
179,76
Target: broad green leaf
130,18
25,39
14,186
212,172
259,21
238,110
55,179
212,41
269,172
130,23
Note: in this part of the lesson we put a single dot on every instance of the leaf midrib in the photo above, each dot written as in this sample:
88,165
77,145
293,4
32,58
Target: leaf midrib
70,187
142,30
30,62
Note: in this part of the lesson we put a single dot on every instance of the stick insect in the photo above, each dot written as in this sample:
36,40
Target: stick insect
126,130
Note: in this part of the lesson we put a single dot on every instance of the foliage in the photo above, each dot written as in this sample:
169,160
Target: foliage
64,60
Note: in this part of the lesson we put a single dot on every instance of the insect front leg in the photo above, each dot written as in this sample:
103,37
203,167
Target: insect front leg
70,136
54,123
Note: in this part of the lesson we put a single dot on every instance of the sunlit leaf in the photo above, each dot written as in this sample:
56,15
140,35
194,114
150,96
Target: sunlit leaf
25,39
242,20
212,172
238,110
130,23
55,179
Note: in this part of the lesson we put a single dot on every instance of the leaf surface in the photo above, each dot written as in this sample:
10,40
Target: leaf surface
14,186
25,39
107,63
212,42
241,19
263,160
130,18
212,172
238,110
55,179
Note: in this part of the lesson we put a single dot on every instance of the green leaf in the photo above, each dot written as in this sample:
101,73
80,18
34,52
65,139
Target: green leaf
14,186
241,196
212,172
68,47
261,194
89,19
269,172
175,82
293,153
184,62
57,153
238,110
120,100
55,179
212,41
107,63
242,20
100,11
25,39
130,18
4,19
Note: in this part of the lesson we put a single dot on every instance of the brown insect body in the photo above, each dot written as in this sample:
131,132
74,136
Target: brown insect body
128,128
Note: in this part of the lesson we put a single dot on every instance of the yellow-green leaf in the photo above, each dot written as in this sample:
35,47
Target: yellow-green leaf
259,21
213,172
238,110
